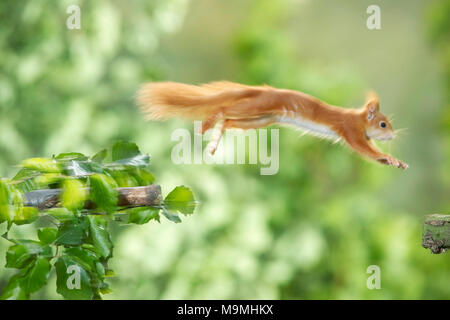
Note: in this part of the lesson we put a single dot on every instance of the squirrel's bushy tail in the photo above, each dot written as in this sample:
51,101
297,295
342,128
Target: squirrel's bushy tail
163,100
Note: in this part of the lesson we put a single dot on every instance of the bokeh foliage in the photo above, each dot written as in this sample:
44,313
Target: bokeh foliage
309,231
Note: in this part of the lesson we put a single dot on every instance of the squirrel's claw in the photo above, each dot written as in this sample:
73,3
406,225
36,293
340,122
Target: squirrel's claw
403,165
391,161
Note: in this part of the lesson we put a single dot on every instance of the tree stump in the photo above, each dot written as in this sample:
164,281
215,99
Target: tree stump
436,233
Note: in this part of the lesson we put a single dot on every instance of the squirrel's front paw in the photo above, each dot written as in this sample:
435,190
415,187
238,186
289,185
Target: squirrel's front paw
388,160
402,165
391,161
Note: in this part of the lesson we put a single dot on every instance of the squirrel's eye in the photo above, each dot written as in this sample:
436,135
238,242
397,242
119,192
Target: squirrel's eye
383,124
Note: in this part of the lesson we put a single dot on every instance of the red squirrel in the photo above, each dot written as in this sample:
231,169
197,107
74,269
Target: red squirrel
226,105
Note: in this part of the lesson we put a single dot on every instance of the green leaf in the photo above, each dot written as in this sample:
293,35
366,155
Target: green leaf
73,195
181,199
142,175
103,193
42,165
27,179
100,269
36,246
25,173
71,233
7,210
88,246
47,235
37,276
70,156
128,154
105,289
46,179
141,160
100,156
124,150
25,215
14,290
72,279
60,213
27,185
100,235
110,273
85,256
124,179
142,215
171,216
82,168
20,254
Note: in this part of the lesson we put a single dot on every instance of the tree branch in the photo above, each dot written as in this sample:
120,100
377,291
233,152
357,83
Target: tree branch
133,197
436,233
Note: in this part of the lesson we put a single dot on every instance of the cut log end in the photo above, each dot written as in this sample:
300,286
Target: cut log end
436,233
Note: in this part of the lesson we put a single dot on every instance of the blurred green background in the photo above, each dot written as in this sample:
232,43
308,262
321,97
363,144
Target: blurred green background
309,231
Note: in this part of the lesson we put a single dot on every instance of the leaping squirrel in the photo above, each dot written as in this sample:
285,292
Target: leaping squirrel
226,105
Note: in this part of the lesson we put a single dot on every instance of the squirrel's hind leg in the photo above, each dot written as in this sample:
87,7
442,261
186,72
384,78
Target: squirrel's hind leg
244,124
217,133
211,121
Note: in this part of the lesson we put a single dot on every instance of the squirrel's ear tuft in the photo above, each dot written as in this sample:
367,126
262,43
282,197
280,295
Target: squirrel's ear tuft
372,102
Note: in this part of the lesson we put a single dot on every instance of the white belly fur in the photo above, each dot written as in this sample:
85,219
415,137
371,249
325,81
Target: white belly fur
309,126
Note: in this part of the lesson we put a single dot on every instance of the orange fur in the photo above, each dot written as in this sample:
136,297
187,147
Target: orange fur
241,106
